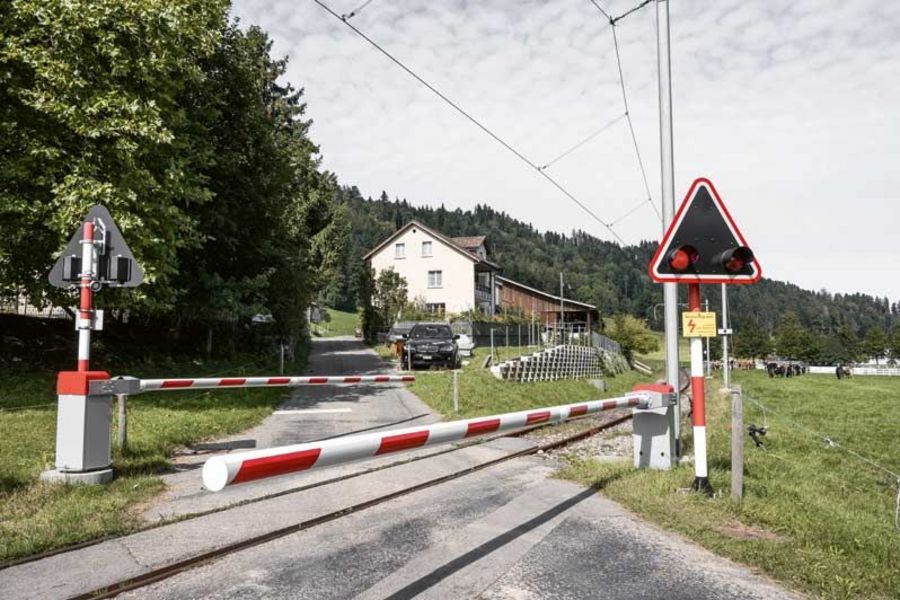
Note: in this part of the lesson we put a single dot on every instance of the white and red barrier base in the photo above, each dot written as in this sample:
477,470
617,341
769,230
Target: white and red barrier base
221,471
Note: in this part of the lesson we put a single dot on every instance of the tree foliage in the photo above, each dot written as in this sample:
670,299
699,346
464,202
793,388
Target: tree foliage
876,343
175,119
751,340
389,296
633,335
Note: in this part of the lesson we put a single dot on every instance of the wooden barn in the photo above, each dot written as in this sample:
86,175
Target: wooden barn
517,296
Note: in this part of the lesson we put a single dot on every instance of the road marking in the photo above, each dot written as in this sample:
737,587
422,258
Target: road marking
312,411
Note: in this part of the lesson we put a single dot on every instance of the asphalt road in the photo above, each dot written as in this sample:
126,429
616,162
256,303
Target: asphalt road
506,533
309,413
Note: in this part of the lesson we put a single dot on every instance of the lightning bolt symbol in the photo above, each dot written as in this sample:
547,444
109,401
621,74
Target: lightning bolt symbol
691,324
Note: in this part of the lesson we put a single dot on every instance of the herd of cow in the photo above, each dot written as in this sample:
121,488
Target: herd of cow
786,368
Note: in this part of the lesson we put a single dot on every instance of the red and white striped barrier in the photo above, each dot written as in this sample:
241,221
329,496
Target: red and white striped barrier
220,471
149,385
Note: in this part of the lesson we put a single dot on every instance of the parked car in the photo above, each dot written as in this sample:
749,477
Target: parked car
431,344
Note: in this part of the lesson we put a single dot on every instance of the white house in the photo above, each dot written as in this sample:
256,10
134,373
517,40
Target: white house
451,275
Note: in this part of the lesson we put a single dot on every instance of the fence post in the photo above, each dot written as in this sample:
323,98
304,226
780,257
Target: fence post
737,444
123,423
456,390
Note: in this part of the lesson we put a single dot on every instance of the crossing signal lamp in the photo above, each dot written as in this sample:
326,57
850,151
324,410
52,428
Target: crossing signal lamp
734,260
682,257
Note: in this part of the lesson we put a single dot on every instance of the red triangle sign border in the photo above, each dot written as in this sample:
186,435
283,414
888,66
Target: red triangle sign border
679,215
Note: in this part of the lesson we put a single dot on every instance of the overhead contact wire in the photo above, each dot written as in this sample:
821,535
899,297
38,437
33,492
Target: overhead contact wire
472,119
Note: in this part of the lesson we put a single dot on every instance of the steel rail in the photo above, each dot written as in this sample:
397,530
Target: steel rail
162,573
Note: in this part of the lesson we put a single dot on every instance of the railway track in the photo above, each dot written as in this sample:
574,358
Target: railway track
164,572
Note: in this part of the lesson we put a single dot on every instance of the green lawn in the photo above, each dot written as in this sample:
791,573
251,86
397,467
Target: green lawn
36,516
480,393
813,516
659,355
340,323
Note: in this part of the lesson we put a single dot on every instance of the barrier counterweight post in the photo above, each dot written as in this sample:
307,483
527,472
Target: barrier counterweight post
698,406
83,427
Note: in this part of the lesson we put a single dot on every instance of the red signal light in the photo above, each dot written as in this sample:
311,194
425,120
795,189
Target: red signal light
735,259
683,257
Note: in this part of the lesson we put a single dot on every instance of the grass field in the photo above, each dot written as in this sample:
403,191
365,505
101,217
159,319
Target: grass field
36,516
813,515
480,393
658,355
341,323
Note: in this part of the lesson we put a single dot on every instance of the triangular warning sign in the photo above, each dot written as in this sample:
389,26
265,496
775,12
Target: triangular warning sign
703,244
115,267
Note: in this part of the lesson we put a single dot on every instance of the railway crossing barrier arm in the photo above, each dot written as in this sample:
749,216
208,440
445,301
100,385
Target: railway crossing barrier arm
224,470
208,383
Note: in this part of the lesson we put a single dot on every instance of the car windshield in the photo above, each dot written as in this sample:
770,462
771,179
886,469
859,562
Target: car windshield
441,332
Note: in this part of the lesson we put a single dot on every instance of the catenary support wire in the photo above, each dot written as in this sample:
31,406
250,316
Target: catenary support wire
473,120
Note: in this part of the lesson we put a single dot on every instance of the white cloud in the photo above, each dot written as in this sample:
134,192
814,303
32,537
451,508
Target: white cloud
789,107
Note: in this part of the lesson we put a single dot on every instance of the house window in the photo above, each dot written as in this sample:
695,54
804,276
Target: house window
426,248
437,308
435,279
400,250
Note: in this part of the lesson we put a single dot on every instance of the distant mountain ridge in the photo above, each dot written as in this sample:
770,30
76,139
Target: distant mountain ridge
603,273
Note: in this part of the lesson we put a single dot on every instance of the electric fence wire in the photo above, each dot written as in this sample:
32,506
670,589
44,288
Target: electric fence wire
473,120
831,443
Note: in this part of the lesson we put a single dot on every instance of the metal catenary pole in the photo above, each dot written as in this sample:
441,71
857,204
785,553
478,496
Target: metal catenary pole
85,309
667,166
726,366
698,408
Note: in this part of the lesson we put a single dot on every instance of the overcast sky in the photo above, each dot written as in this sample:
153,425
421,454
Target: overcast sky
791,108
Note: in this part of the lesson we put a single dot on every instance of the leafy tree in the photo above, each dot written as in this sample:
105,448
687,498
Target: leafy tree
848,343
89,114
895,345
389,295
876,343
793,341
751,340
633,335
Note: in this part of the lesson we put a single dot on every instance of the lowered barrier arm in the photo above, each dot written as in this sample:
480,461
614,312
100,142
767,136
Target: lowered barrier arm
221,471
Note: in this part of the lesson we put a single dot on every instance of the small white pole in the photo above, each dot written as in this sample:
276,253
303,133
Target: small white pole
123,423
281,358
726,366
708,357
456,391
737,444
493,357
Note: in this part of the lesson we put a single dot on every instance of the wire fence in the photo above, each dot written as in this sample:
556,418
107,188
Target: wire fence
830,442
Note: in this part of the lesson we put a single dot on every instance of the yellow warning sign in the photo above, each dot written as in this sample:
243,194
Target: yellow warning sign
698,324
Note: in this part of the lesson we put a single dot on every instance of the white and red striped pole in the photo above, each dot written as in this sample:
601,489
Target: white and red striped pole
149,385
85,309
698,407
221,471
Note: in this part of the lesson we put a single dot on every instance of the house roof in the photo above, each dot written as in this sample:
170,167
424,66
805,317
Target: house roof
504,280
454,243
472,242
